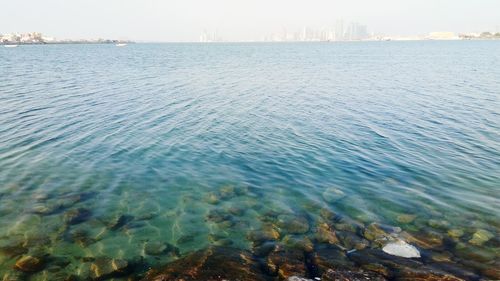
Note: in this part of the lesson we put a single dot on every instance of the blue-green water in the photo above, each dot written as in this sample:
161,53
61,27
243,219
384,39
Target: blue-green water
181,143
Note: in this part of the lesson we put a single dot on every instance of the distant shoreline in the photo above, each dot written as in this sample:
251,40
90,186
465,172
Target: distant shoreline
234,42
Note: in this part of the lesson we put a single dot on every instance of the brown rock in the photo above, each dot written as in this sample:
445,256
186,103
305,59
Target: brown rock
492,272
328,257
286,263
409,274
350,240
425,240
350,275
212,264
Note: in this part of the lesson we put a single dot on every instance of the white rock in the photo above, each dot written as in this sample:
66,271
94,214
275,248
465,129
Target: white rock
401,249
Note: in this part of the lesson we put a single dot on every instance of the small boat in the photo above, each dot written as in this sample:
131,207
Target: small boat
10,46
121,45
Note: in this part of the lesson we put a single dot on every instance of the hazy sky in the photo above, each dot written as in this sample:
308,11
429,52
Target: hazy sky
185,20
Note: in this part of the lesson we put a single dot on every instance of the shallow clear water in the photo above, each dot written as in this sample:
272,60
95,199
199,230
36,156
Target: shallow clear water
193,141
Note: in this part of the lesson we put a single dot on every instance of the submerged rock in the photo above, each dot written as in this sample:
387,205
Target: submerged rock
333,194
303,244
212,198
184,239
217,263
227,192
378,232
104,268
293,224
406,218
267,233
401,249
326,235
411,274
45,210
81,237
438,224
351,241
474,253
264,249
156,248
286,263
425,240
351,275
76,216
30,264
119,221
480,237
455,233
13,276
218,216
12,247
327,214
327,257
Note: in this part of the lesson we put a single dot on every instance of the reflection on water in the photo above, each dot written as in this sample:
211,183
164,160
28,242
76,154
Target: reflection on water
264,161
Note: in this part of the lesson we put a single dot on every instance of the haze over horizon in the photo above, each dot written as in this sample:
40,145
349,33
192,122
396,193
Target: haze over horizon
155,20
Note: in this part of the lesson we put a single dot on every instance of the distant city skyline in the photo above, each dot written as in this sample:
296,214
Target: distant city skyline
190,20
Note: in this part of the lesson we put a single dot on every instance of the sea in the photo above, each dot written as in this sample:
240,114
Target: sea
148,153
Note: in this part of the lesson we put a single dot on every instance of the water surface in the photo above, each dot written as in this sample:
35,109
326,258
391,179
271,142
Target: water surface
194,144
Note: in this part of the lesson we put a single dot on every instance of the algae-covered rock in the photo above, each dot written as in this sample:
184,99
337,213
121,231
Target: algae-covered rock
351,240
268,233
324,234
227,192
480,237
438,224
212,198
293,224
455,233
377,232
327,214
12,246
297,243
30,264
13,276
406,218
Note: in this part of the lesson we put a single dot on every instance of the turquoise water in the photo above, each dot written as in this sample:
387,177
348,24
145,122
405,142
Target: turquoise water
192,145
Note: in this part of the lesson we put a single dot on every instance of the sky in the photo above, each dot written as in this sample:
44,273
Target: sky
186,20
